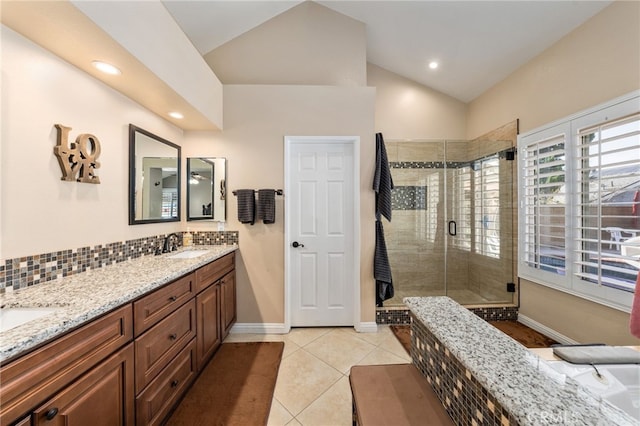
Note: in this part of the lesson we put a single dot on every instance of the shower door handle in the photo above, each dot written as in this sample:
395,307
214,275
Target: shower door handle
453,228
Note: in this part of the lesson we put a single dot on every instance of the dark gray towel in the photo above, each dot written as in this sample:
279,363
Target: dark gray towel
246,205
382,181
381,267
266,205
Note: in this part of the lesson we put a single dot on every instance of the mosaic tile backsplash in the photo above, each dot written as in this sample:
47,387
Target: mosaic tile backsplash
39,268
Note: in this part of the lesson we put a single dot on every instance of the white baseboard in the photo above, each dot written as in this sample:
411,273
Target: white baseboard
259,328
366,327
549,332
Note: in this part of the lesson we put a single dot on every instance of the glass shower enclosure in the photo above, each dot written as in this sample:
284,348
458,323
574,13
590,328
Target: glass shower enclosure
453,221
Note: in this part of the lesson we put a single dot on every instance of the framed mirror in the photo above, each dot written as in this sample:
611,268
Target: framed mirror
207,189
154,178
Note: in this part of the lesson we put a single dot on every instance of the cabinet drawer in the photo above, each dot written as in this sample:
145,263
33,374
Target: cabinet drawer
152,308
102,397
208,274
36,376
156,348
158,399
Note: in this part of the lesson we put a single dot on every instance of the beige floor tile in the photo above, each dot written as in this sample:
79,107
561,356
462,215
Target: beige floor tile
294,422
301,379
303,336
376,338
278,416
289,348
391,344
332,408
340,349
381,357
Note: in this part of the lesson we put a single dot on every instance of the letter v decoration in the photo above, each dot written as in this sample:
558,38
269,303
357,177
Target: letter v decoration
77,159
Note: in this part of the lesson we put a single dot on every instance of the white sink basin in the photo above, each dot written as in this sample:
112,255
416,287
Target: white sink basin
188,254
13,317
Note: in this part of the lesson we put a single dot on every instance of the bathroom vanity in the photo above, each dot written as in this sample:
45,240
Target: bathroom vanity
482,376
124,343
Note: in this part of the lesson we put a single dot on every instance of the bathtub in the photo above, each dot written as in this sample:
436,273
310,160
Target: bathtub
619,384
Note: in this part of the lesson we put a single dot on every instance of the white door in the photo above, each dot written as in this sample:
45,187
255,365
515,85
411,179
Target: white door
321,231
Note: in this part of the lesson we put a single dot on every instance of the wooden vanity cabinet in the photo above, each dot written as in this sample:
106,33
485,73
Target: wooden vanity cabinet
154,307
132,365
213,316
102,395
228,302
33,378
208,324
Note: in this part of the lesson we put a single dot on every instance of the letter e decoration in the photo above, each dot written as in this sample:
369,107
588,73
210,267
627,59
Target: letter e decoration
79,158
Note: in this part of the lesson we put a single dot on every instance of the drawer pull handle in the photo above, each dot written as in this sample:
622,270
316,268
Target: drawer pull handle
49,415
173,336
173,298
174,383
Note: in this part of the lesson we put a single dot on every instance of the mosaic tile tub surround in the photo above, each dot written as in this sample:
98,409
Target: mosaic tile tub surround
483,377
26,271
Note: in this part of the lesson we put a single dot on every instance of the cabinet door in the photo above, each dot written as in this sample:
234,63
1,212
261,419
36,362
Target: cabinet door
228,296
102,397
208,324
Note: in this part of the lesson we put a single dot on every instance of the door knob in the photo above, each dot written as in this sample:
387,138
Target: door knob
297,244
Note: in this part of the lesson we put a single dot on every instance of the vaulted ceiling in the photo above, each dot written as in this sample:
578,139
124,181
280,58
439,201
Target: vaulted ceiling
476,43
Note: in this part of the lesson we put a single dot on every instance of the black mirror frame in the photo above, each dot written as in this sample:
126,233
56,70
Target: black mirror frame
132,176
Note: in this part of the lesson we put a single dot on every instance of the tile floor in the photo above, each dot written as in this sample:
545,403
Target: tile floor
313,380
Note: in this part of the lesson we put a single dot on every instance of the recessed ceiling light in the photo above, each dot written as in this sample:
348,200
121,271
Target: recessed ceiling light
433,65
176,115
106,68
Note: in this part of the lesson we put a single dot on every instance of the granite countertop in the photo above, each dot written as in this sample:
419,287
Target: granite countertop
85,296
521,381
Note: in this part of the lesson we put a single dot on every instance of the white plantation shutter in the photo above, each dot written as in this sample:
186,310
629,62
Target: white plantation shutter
544,198
608,176
579,203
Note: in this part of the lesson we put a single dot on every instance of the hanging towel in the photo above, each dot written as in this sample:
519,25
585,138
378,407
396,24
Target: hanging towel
381,267
266,205
634,322
246,205
382,181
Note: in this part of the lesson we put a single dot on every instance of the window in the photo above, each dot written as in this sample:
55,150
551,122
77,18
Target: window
579,226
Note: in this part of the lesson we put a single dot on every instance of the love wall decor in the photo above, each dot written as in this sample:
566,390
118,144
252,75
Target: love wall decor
78,160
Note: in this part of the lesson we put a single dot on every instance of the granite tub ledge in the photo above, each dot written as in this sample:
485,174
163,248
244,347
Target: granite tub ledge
514,376
83,297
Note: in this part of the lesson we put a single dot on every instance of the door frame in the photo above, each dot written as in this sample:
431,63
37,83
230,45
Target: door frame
354,141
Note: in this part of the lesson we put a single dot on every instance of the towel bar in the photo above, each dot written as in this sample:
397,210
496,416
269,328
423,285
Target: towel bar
278,192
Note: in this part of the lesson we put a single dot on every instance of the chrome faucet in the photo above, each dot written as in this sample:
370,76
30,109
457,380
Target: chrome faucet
166,246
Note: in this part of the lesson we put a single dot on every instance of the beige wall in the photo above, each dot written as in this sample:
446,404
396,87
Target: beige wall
40,212
408,110
257,118
308,44
598,61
